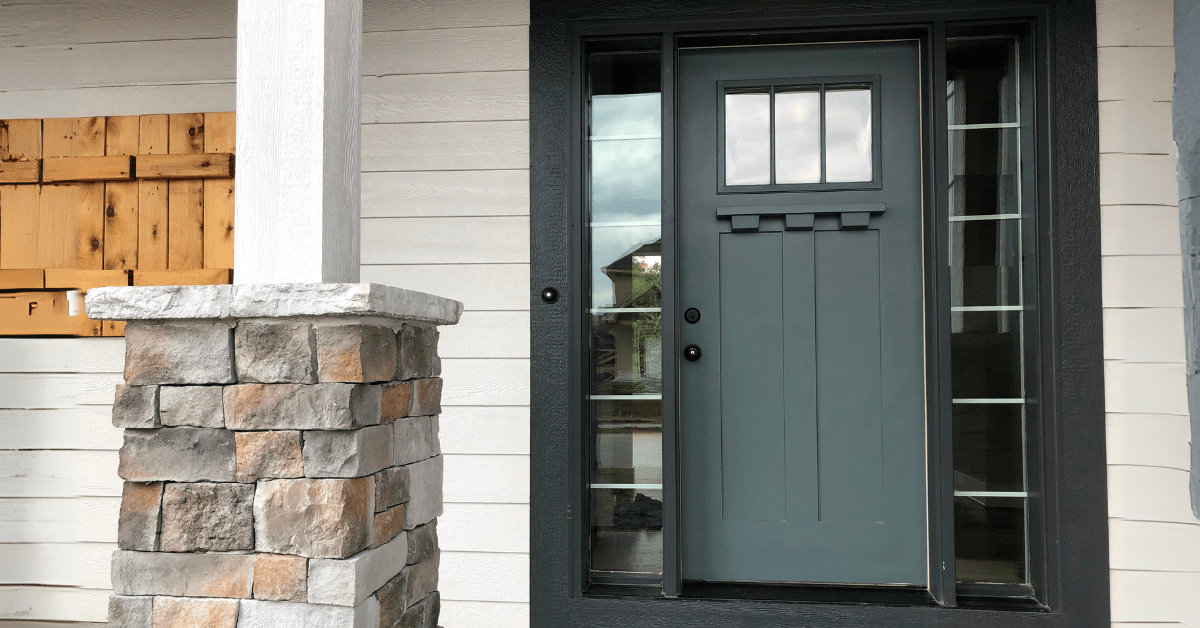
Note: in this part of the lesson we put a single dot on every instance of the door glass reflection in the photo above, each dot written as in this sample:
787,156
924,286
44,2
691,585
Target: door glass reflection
848,135
798,137
747,139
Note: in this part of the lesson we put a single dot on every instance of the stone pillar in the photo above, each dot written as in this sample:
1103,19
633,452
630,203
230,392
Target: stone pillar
281,456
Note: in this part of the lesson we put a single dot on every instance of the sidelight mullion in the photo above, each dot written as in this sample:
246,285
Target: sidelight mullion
672,576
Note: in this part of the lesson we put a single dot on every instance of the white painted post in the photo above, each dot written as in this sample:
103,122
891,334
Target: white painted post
299,106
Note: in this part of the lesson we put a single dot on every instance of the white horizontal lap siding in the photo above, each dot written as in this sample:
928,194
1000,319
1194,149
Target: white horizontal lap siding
446,210
1153,535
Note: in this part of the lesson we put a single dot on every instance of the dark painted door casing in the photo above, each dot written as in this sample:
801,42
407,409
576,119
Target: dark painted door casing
802,426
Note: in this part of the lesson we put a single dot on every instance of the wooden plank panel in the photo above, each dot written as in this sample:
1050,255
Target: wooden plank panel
1149,494
67,102
73,279
57,226
89,247
58,169
1144,334
60,564
59,473
23,279
186,134
44,314
1139,230
57,390
445,146
446,240
218,222
198,277
122,135
60,520
220,132
201,166
457,193
20,171
1136,127
485,382
473,96
1135,23
73,137
487,335
114,20
1138,180
121,225
381,15
152,225
120,63
185,224
1147,599
1145,74
1149,546
478,286
486,49
20,140
19,207
153,137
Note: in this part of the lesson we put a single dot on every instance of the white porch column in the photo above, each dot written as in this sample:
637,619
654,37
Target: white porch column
299,105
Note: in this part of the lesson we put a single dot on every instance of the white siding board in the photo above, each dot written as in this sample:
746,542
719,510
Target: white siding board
1139,230
484,577
467,240
116,101
421,14
62,355
1148,440
1155,597
455,193
472,614
1136,127
53,603
119,63
446,97
487,335
445,146
476,479
62,564
1138,180
1144,335
476,382
1137,23
59,520
59,474
507,527
485,430
1136,73
33,391
84,427
98,21
1139,388
1152,546
1142,281
453,50
1149,494
478,286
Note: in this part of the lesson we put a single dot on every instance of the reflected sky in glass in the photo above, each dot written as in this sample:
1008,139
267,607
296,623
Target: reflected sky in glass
747,139
848,135
798,137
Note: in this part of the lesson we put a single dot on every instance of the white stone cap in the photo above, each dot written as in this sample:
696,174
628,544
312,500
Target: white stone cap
269,301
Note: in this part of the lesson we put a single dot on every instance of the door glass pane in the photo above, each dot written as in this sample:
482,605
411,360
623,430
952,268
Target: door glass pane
624,391
747,139
798,137
848,136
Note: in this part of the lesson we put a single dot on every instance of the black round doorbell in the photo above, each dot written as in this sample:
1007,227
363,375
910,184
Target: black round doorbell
692,315
549,295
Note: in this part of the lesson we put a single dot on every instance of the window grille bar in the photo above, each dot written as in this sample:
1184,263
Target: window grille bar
644,487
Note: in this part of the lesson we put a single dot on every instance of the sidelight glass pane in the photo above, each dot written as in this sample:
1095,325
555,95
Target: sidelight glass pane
747,139
985,263
848,136
981,81
985,349
989,539
988,447
624,335
798,137
983,172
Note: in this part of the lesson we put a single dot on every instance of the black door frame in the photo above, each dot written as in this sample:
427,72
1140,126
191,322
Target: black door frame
1074,450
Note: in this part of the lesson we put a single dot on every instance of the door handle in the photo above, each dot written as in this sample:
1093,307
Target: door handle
692,353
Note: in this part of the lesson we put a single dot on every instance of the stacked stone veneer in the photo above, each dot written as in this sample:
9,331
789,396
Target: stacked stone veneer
280,458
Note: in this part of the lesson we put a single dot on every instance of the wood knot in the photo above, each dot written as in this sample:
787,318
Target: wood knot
110,212
95,244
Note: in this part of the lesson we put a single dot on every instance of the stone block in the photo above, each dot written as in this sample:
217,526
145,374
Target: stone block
423,614
135,407
180,454
418,348
264,614
388,524
422,543
182,612
268,455
207,517
391,488
356,353
137,525
196,406
347,453
314,518
130,611
424,492
182,575
411,440
281,578
275,353
409,587
301,406
427,397
396,399
435,429
350,581
178,353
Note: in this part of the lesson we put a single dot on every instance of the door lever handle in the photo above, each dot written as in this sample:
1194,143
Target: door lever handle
692,353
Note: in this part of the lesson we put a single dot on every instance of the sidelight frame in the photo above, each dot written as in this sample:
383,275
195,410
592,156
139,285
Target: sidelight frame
1071,451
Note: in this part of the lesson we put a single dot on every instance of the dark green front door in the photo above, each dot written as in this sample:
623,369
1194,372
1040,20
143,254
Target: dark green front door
802,422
